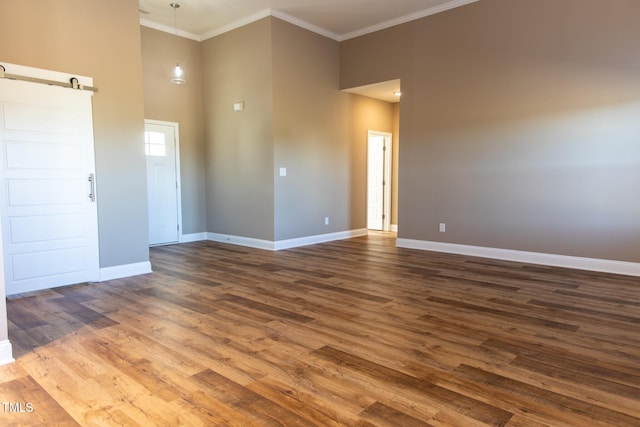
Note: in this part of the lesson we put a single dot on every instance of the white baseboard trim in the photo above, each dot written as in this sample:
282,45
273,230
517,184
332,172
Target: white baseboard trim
581,263
285,244
126,270
319,238
241,241
6,353
193,237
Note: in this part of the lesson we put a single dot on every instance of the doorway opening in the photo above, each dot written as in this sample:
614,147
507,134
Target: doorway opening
163,182
379,181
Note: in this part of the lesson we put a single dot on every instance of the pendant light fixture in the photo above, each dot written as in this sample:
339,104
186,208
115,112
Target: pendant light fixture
177,76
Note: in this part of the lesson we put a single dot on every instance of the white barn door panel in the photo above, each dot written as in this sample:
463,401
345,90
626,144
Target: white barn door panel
47,190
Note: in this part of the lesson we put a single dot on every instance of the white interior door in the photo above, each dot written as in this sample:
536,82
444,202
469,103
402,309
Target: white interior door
163,188
49,213
378,181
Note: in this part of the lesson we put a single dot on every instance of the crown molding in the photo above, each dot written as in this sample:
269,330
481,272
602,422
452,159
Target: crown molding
170,30
237,24
407,18
306,25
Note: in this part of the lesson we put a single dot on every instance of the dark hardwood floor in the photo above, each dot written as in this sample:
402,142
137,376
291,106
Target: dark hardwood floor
355,332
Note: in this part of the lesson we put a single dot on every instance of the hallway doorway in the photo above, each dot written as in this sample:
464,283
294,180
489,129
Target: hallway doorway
379,181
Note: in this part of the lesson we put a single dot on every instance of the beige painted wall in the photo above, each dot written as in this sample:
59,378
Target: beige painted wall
99,39
310,134
311,137
519,124
295,117
183,104
239,145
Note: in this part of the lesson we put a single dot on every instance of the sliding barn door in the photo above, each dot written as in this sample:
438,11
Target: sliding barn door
48,207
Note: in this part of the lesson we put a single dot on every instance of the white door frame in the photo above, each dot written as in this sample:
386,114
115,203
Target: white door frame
176,134
386,197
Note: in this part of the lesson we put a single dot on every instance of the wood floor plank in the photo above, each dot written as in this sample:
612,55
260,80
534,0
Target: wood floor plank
342,290
530,397
507,315
354,332
384,415
603,315
304,401
25,402
274,312
475,409
249,402
182,301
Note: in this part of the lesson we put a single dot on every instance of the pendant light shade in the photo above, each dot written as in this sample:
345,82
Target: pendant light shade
177,76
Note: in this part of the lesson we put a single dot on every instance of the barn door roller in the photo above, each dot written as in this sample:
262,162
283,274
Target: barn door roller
72,84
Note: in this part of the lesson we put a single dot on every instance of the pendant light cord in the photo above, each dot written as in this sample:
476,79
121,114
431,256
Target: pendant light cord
175,7
178,74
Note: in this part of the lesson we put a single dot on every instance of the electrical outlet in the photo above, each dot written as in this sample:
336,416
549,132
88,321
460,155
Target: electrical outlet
326,220
443,227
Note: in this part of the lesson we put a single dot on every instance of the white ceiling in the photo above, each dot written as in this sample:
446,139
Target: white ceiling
337,19
386,91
